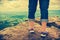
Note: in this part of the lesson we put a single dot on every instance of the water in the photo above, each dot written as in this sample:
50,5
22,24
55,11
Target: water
9,19
51,13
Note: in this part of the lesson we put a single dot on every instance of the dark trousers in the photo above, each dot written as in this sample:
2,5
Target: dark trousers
44,4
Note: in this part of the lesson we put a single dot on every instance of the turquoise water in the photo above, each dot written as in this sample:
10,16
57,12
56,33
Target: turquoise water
51,13
54,13
25,13
9,19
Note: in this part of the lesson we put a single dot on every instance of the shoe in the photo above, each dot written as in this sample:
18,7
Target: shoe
31,31
44,34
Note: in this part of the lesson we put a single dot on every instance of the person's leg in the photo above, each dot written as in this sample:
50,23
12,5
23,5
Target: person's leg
44,4
32,10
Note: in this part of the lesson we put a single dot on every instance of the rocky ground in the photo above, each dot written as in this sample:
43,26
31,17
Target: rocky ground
21,32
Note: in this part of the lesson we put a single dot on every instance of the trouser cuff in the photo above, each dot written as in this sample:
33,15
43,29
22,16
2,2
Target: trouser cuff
31,19
44,20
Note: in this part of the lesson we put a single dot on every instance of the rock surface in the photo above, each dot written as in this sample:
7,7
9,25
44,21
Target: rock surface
20,32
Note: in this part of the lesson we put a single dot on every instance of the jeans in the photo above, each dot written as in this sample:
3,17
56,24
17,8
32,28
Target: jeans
44,5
